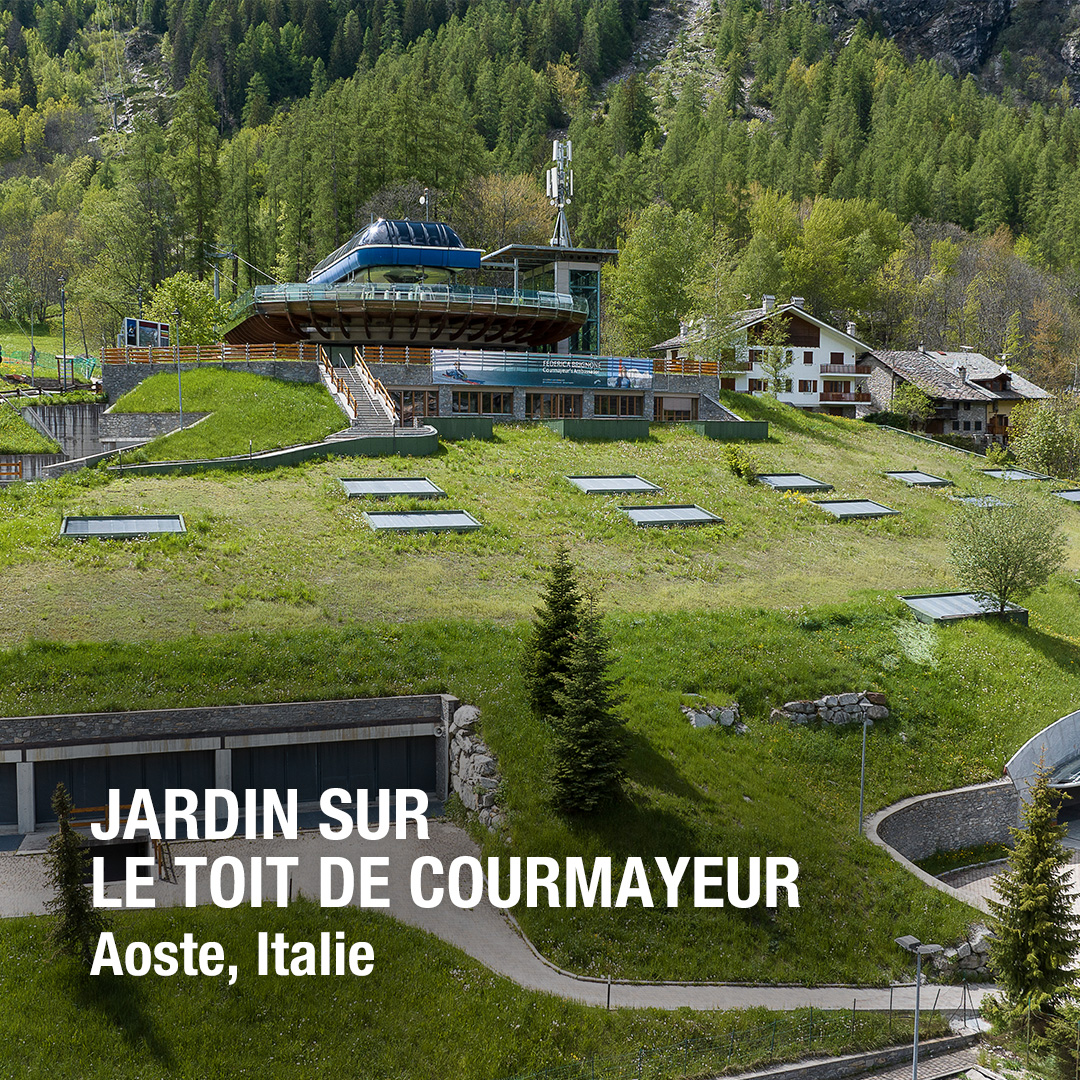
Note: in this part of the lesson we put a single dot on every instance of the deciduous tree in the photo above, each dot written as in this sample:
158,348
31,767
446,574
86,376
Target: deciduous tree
1004,552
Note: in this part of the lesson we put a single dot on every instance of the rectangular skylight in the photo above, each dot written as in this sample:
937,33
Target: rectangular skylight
920,479
613,485
854,508
945,607
122,526
1071,495
421,521
377,487
1014,474
792,482
687,514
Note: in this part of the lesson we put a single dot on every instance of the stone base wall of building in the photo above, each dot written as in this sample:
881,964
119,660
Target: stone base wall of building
119,379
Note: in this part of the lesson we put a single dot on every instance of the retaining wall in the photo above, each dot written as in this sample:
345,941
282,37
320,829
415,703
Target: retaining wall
118,379
946,821
123,427
74,427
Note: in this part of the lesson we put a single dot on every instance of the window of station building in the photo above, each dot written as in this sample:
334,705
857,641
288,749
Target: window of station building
808,357
808,386
836,358
758,386
978,425
756,356
412,403
727,384
540,406
676,409
619,405
483,402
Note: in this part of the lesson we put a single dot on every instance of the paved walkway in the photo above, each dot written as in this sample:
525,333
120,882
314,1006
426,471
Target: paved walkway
938,1068
484,932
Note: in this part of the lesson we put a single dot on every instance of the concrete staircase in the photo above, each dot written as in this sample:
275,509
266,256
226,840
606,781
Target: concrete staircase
370,419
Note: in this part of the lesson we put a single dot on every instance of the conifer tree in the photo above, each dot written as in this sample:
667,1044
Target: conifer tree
78,922
590,737
547,653
1036,927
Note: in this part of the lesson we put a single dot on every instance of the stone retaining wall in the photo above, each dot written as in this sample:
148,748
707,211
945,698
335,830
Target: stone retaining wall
950,820
118,379
851,708
474,773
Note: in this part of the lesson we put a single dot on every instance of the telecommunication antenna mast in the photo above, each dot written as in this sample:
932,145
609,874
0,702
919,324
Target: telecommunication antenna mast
560,188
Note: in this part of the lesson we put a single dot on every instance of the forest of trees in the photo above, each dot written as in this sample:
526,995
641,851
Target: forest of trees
879,188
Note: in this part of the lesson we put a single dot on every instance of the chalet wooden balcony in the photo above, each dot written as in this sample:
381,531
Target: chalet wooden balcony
845,369
844,397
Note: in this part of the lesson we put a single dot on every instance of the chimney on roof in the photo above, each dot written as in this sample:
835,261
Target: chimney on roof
684,327
799,302
962,372
850,328
768,302
921,347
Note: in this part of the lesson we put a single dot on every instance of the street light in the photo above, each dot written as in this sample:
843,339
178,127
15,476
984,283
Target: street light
179,384
862,773
63,332
914,945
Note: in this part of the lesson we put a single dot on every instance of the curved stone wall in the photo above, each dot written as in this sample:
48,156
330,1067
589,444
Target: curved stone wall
945,821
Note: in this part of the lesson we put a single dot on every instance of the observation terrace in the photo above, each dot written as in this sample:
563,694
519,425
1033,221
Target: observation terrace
404,314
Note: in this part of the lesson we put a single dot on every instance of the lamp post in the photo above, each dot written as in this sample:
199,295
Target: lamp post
914,945
862,773
63,335
179,384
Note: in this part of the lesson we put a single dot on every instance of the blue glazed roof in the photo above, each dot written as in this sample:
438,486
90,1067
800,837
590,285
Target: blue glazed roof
397,243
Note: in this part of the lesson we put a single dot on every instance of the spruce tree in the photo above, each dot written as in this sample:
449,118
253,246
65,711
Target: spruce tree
590,737
1036,927
548,649
78,922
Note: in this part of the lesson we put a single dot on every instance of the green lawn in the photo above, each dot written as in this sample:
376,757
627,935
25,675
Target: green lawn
280,591
19,437
248,412
286,548
426,1012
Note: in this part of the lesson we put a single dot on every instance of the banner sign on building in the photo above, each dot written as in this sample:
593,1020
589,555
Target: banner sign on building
141,334
459,367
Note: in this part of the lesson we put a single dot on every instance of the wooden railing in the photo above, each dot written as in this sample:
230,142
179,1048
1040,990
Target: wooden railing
688,365
844,397
845,369
339,384
394,354
375,388
11,470
205,354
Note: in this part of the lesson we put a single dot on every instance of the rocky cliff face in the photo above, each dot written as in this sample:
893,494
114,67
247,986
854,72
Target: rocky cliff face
960,34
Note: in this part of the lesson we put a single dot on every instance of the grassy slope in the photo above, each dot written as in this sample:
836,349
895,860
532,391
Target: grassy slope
739,611
247,410
244,570
18,437
426,1011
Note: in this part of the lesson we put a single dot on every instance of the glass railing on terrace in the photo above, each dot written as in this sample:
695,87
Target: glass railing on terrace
439,294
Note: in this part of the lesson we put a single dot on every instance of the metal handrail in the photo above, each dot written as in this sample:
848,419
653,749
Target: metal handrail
448,294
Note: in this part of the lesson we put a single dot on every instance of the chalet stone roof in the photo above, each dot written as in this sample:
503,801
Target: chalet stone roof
937,373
